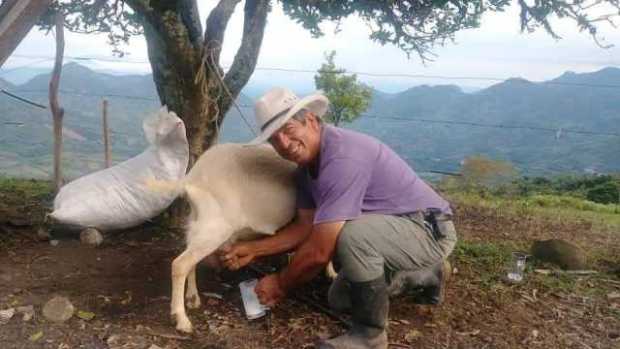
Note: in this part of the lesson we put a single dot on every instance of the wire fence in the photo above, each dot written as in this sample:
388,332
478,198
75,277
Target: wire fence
19,95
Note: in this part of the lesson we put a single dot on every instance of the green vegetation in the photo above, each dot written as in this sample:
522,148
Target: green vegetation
25,189
348,98
493,184
552,207
488,261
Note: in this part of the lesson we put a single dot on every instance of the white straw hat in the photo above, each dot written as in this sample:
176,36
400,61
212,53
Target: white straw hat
278,105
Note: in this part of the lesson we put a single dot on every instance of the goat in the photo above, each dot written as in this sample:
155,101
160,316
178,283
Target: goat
235,192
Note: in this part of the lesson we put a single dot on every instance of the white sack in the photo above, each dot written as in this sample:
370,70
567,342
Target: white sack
116,197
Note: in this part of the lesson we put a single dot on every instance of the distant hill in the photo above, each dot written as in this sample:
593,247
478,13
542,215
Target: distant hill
21,75
420,123
5,84
571,102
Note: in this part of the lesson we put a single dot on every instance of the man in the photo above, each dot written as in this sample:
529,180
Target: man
358,203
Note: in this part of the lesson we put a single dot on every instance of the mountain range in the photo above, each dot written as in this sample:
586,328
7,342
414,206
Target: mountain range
529,124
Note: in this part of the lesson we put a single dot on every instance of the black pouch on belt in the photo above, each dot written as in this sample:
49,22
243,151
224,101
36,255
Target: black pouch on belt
430,221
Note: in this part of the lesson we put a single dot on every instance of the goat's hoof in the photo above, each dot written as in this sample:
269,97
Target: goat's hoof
184,325
193,302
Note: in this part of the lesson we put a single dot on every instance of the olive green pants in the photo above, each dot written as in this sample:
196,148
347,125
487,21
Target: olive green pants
375,244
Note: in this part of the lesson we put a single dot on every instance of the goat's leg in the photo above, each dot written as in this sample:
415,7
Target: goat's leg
181,267
191,296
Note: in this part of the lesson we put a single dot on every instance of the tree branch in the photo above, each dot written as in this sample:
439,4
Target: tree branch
188,9
255,19
216,26
144,10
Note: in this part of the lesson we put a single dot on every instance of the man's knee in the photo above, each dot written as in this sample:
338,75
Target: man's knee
357,258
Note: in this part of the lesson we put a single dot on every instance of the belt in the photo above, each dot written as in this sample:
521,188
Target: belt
429,219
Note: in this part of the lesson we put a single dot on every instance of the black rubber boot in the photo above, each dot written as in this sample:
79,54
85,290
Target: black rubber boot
426,285
370,306
339,295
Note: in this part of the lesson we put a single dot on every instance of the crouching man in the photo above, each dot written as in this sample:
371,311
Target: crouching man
359,204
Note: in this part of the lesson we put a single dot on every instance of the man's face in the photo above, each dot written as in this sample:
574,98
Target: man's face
297,141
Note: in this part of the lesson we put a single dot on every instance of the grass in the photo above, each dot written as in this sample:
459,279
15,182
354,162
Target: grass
488,261
487,264
553,207
25,189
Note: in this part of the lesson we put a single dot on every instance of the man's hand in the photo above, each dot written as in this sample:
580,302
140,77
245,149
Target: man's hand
269,291
237,255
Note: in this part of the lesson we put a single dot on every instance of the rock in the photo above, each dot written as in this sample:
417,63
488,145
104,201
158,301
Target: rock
154,346
561,253
43,234
412,336
58,309
91,236
5,277
27,312
6,315
613,295
113,340
54,242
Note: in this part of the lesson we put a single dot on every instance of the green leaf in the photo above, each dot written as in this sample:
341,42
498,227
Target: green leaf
85,315
35,337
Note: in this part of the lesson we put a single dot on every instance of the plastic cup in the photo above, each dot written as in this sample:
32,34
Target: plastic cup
252,306
517,267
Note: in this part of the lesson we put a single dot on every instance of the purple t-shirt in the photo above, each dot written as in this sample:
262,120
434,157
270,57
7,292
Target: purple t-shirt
359,174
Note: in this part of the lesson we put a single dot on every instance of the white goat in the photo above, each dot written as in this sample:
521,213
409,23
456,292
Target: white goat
235,192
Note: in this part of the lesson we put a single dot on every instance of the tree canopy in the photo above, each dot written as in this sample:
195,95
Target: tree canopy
348,98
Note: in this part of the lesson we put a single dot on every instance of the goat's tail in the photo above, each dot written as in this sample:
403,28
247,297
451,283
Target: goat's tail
156,185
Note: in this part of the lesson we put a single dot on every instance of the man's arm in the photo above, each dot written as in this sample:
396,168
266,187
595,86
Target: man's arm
288,238
311,257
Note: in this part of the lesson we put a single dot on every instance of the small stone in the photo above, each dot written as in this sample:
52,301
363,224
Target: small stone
154,346
91,236
613,295
27,312
43,234
58,309
6,315
5,277
412,335
54,242
113,340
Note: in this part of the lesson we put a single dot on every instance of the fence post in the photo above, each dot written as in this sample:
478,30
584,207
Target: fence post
106,136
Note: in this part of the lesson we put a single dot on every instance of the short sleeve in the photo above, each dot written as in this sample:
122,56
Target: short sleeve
341,188
304,198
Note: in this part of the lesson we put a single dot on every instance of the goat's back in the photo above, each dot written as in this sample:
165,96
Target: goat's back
253,186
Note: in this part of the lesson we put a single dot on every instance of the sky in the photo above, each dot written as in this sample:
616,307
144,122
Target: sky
496,50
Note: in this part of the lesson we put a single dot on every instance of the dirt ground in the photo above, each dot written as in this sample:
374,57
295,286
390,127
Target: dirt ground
126,284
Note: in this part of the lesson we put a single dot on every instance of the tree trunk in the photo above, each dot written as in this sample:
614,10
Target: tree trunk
57,111
106,136
17,17
186,67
